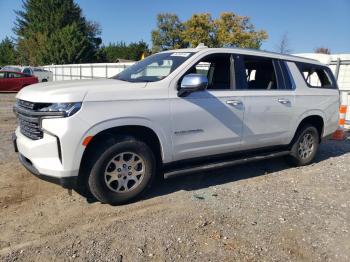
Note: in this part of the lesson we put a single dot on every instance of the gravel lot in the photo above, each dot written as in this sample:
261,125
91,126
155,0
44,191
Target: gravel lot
265,211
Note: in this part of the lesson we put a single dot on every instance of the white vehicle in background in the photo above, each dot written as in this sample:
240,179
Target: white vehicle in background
42,74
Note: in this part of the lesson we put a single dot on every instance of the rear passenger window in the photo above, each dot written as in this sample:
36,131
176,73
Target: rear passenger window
260,73
14,75
316,76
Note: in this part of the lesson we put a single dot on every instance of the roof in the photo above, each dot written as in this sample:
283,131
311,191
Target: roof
11,71
248,51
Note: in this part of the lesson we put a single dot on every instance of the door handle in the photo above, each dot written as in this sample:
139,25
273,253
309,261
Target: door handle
283,101
234,102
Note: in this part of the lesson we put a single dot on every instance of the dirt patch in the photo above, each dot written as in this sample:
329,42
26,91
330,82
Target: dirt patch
257,212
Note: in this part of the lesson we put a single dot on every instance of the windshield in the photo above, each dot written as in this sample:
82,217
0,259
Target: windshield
153,68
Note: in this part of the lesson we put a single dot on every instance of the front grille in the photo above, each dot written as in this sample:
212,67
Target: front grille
28,120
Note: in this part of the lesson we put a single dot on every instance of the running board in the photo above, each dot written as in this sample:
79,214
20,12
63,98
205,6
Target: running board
221,164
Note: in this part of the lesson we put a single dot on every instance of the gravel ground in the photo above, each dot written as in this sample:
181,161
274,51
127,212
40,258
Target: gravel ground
264,211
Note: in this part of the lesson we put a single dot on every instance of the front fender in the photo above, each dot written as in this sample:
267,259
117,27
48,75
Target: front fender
129,121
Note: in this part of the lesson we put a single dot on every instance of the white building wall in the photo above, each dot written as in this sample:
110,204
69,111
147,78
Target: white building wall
85,71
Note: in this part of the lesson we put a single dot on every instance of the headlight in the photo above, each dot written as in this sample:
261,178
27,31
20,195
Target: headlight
67,109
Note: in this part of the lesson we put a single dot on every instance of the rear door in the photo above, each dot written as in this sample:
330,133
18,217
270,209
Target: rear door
3,82
14,81
268,101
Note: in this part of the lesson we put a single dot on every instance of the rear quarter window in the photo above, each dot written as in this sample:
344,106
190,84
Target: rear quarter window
317,76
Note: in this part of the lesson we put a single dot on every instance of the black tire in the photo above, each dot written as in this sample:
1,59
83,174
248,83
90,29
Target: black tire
112,193
302,154
44,80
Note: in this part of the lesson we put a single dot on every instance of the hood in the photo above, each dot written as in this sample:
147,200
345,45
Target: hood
79,90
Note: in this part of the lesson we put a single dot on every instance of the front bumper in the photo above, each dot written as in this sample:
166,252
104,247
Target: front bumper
43,159
66,182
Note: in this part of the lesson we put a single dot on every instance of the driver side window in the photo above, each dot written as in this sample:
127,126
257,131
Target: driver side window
217,68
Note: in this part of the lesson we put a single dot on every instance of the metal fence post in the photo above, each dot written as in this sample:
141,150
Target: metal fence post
80,71
337,69
92,71
106,70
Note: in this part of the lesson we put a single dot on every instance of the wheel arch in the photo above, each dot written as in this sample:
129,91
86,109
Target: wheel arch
315,119
111,135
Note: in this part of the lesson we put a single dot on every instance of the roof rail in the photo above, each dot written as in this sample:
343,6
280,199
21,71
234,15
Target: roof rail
201,45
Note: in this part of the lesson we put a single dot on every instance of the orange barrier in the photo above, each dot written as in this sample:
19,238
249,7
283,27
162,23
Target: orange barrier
340,133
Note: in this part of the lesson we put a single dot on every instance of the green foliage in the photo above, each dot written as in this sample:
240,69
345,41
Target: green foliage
55,31
120,50
200,28
7,52
237,31
227,30
168,33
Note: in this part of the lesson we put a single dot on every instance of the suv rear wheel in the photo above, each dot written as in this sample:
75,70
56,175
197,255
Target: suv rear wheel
122,172
304,146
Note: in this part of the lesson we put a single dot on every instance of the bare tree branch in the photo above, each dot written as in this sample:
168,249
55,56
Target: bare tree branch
283,46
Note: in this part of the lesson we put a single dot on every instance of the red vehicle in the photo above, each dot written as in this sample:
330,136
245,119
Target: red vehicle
14,81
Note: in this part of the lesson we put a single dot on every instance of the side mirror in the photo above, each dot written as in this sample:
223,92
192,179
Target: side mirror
191,83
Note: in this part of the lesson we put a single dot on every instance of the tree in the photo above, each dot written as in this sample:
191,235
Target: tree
283,45
55,31
168,33
120,50
227,30
200,28
7,52
323,50
237,31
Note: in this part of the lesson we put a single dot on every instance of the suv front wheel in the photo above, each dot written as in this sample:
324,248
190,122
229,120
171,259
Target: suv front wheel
122,172
304,146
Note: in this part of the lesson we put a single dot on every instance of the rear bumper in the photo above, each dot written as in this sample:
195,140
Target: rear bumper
66,182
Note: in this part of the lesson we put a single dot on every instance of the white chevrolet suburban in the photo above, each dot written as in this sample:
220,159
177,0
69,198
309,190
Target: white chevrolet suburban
175,112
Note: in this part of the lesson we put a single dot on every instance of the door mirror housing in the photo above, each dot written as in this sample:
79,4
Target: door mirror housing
192,83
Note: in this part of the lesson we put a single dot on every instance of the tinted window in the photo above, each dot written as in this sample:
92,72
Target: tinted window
316,76
27,71
259,73
216,68
287,77
14,75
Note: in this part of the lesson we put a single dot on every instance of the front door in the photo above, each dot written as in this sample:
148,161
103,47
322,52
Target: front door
208,122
